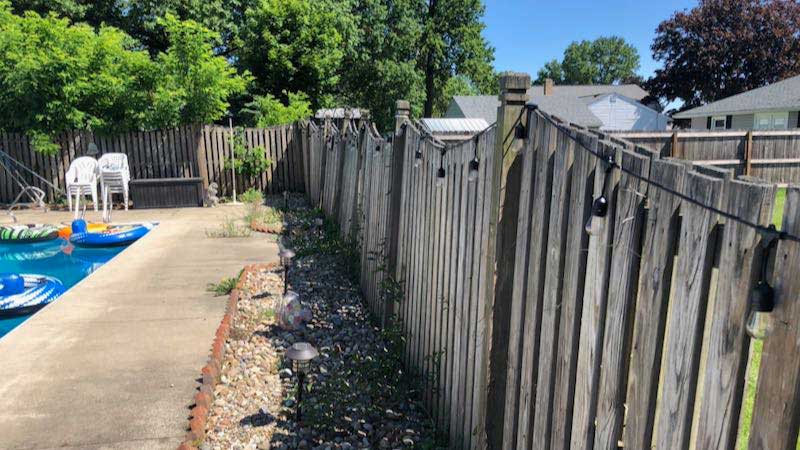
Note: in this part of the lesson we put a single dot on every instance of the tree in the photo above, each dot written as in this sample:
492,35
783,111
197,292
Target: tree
193,85
140,19
294,46
56,76
380,61
451,45
267,111
724,47
606,60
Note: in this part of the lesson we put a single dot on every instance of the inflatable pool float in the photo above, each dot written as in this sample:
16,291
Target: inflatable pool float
22,294
66,231
114,236
25,234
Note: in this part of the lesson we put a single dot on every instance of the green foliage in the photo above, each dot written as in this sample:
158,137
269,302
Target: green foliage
252,196
249,161
194,85
606,60
229,228
224,287
267,111
293,46
723,47
56,76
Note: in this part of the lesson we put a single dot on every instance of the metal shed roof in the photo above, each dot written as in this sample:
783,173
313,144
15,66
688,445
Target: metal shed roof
454,125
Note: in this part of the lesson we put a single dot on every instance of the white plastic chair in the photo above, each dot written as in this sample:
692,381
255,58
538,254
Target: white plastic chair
81,180
114,177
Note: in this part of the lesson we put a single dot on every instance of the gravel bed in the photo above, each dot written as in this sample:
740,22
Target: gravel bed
357,394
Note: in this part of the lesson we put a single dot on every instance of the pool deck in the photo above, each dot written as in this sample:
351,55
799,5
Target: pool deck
113,363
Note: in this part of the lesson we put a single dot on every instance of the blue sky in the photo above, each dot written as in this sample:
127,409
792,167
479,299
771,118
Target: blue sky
528,33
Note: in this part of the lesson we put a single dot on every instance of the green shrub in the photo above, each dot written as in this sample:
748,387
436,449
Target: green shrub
252,196
224,287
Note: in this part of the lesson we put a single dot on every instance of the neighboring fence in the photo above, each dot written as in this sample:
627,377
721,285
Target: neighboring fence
434,239
769,155
630,337
190,151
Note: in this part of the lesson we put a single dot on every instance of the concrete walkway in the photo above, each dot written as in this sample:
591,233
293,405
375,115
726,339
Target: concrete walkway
113,363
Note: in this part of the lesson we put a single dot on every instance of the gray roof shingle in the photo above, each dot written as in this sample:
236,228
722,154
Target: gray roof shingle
780,96
569,102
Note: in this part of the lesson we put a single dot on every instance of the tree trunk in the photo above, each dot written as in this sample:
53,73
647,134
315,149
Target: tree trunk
430,73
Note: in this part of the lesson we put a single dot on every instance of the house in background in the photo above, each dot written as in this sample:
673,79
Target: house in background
771,107
603,107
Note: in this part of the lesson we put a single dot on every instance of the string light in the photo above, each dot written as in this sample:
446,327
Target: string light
418,153
474,165
762,298
597,222
377,151
440,174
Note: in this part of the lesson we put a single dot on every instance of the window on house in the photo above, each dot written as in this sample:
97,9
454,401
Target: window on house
771,121
718,123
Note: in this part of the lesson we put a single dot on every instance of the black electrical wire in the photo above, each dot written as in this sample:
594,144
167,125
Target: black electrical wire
764,230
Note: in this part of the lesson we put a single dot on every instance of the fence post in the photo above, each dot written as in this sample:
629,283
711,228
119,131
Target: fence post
748,153
200,157
395,199
503,229
674,152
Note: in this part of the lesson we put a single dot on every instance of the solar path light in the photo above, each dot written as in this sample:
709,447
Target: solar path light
301,354
286,256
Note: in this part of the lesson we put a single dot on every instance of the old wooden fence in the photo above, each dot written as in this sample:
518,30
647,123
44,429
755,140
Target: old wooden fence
769,155
190,151
632,336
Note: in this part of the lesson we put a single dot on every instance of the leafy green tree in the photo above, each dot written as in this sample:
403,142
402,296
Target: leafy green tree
267,111
140,18
606,60
293,46
193,84
724,47
55,76
380,61
451,45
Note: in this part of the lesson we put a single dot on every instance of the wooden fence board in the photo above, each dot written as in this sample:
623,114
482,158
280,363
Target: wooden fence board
631,193
776,413
687,312
728,344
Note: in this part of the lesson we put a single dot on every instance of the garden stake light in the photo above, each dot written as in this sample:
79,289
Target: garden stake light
318,222
301,354
597,222
762,297
286,256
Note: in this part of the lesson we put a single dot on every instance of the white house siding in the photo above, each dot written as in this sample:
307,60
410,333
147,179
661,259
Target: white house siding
742,122
620,113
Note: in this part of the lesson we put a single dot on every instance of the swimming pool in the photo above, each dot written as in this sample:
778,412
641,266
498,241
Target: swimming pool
54,258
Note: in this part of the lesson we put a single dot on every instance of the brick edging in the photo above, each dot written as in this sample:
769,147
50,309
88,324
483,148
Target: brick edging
213,368
261,228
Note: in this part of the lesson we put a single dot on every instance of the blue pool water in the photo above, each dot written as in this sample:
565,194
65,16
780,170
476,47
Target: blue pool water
52,258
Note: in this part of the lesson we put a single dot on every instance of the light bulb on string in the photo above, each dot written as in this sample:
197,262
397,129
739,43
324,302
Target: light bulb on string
597,221
440,174
474,165
760,322
418,154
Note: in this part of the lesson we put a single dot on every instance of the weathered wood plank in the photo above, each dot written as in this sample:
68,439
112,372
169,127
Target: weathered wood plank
552,299
684,332
658,251
776,413
594,306
631,193
727,341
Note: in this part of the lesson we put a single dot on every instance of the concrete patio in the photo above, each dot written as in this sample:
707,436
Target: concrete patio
113,363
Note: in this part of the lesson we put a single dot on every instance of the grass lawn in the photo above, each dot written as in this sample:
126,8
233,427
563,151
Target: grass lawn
755,363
